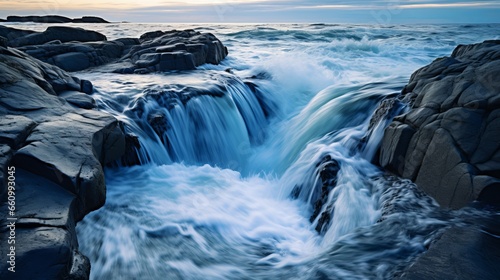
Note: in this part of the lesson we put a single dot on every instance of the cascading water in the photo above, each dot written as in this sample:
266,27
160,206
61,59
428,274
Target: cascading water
266,177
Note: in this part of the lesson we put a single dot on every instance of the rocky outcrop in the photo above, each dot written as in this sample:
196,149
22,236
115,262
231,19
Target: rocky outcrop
173,50
76,56
55,19
75,49
448,142
58,33
58,146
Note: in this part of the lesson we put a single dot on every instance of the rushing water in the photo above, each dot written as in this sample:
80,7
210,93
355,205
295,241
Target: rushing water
259,168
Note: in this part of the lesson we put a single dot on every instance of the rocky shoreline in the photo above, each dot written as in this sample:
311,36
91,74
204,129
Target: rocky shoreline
54,19
448,141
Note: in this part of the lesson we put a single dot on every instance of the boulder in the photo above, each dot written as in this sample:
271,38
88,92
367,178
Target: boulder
450,134
61,33
58,149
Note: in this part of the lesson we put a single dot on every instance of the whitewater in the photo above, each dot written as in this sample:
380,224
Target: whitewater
261,167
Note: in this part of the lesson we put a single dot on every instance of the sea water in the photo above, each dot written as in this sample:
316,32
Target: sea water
228,189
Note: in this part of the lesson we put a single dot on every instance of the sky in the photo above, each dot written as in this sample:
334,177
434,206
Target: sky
383,12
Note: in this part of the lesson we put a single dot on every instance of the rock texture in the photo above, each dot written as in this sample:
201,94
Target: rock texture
55,19
470,252
448,142
58,147
173,50
60,33
75,49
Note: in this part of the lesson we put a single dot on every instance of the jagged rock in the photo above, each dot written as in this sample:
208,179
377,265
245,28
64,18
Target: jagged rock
153,51
451,133
76,56
62,33
58,151
173,50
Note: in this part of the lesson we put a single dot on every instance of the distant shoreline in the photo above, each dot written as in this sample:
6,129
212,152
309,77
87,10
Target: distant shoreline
54,19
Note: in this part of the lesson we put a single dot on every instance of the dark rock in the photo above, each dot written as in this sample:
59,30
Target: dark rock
58,152
40,19
3,42
86,87
175,50
55,19
79,99
72,61
132,147
461,253
76,56
89,19
449,136
12,33
64,34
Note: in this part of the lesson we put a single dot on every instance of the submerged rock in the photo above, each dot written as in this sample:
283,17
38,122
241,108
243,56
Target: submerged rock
58,148
448,142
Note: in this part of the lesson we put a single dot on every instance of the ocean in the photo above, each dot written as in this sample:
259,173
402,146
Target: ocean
227,190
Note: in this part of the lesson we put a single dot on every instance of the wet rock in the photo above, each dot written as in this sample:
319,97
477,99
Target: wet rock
78,99
64,34
461,253
450,134
58,150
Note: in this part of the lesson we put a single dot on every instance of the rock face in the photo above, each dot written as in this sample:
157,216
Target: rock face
173,50
461,253
55,19
58,147
75,49
60,33
448,142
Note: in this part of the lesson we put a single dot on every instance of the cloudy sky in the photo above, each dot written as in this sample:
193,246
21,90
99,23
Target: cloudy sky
264,11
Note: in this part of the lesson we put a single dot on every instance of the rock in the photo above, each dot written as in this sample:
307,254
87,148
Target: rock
40,19
55,19
12,33
58,151
86,87
89,19
461,253
3,42
450,134
76,56
174,50
72,61
64,34
79,99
